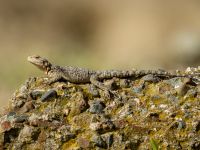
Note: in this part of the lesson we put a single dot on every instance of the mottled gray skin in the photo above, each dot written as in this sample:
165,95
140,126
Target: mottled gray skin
83,75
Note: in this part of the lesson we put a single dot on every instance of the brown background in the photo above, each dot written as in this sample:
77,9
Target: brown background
97,35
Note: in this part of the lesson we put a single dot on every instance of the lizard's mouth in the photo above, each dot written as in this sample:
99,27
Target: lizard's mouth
36,62
38,66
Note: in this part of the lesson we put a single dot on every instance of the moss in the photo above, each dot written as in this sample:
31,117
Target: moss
145,115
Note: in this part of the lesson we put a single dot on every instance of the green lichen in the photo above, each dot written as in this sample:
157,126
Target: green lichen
154,144
146,115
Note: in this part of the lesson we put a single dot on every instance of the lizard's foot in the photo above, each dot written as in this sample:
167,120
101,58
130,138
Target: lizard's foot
107,94
116,95
51,80
112,94
44,82
47,82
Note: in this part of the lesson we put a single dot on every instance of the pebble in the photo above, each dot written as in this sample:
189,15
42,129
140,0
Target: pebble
111,84
195,144
179,84
19,103
137,89
27,107
83,143
98,140
108,138
125,111
102,127
93,90
21,118
196,125
27,134
191,93
124,83
181,124
78,104
5,126
11,116
97,107
150,78
51,94
35,94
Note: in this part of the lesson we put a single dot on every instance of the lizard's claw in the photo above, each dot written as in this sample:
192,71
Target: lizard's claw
107,94
46,82
114,94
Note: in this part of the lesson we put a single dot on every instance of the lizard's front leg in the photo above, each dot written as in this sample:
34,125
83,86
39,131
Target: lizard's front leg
53,78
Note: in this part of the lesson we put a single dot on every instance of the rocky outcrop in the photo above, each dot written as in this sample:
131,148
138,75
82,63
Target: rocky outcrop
141,113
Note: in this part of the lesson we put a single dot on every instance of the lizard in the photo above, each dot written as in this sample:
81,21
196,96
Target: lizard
83,75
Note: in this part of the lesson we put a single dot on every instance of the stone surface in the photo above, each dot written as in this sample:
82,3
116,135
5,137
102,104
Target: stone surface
151,112
49,95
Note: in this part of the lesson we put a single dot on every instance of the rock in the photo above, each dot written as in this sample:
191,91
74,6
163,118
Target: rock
5,126
73,116
78,104
65,134
108,138
97,107
191,93
111,84
150,78
19,103
138,88
195,144
51,94
11,136
179,84
124,83
181,124
35,94
83,143
196,125
125,111
11,116
51,144
102,127
34,119
93,90
132,145
27,107
98,141
20,119
28,133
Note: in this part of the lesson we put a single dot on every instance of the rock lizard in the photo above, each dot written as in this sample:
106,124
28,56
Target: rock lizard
83,75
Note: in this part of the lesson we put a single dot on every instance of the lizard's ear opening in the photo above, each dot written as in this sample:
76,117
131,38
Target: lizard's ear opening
37,56
47,66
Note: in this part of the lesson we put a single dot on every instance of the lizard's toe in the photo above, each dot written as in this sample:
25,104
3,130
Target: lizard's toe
112,94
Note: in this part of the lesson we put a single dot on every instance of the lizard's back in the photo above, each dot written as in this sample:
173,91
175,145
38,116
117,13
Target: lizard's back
77,74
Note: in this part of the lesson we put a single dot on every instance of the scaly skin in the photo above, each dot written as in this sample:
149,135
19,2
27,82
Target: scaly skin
83,75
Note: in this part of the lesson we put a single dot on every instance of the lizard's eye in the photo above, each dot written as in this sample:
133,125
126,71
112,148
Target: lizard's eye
37,57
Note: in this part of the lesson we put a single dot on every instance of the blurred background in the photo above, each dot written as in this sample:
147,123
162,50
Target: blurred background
97,35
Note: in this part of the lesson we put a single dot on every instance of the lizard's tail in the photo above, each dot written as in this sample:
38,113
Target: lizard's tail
136,73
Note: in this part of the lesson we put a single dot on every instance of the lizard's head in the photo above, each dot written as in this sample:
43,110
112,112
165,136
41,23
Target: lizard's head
42,63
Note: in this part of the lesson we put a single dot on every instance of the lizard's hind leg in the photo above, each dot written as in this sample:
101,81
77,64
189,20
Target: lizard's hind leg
54,79
95,81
